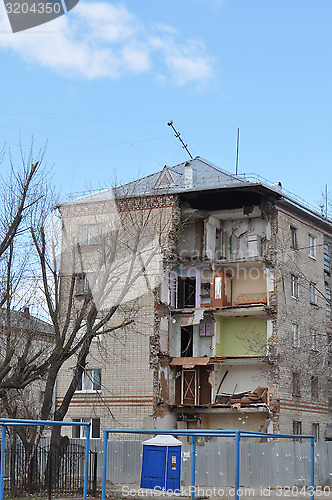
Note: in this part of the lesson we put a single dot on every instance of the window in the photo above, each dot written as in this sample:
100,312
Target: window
314,387
297,429
315,430
90,381
82,286
296,335
313,334
91,234
186,341
80,431
312,246
296,384
328,304
293,236
313,294
295,286
327,259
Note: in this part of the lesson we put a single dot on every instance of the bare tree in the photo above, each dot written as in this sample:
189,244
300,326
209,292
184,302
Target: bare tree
94,270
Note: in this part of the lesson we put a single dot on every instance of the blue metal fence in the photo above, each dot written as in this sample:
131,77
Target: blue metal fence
237,434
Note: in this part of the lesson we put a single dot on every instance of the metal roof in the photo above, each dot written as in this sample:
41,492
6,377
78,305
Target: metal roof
193,175
172,180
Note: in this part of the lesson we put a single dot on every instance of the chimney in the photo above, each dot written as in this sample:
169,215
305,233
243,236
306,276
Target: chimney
26,312
188,175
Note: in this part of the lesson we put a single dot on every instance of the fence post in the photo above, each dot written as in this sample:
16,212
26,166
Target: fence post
86,464
312,467
237,464
103,490
94,480
193,467
2,459
50,474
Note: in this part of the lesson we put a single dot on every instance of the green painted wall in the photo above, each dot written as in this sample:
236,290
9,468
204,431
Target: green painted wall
241,337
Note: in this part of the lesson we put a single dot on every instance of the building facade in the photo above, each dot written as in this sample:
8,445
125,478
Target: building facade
231,308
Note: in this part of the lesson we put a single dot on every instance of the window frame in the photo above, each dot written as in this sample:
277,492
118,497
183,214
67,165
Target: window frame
296,335
313,337
313,293
91,234
297,429
81,284
295,287
315,430
327,259
312,246
93,380
293,238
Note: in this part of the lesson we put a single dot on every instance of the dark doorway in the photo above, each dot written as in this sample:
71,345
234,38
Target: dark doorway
186,292
186,341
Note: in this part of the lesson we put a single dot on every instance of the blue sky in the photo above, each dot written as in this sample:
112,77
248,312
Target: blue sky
100,84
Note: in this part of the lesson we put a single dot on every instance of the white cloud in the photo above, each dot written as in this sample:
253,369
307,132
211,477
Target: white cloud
99,40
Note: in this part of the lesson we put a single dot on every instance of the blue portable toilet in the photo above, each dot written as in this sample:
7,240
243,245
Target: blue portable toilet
161,463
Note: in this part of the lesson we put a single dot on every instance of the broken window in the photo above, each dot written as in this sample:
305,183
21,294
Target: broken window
90,380
314,387
294,286
293,237
296,385
222,290
186,292
185,288
186,341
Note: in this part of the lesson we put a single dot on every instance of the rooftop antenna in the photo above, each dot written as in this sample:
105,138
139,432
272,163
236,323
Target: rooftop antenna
178,136
237,151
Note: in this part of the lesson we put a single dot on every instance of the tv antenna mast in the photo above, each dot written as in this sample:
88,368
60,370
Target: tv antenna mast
178,136
237,152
